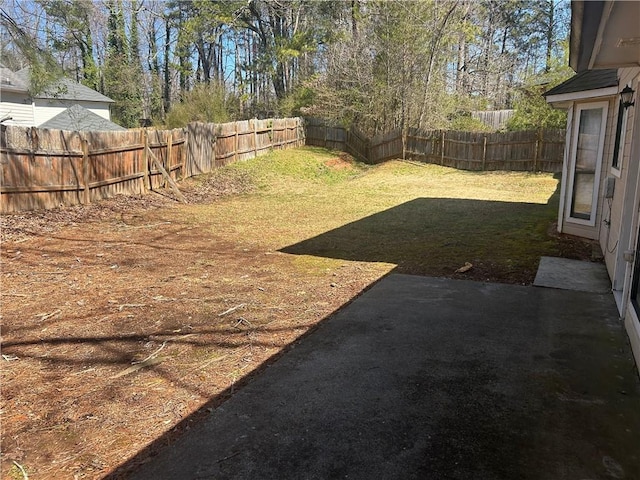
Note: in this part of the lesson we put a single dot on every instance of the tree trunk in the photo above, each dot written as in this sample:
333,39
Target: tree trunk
167,76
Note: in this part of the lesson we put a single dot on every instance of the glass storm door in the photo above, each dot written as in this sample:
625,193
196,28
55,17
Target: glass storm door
587,148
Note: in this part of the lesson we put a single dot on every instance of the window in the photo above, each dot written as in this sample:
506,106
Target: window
621,128
586,161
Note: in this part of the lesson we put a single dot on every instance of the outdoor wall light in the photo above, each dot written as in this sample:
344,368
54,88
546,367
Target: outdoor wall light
626,95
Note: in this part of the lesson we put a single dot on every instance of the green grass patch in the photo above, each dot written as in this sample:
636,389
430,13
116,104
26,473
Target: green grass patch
299,169
425,219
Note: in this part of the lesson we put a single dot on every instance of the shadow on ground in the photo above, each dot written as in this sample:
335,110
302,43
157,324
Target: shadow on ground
435,236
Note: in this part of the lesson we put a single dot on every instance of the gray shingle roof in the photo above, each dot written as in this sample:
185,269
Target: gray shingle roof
64,89
78,118
587,80
10,81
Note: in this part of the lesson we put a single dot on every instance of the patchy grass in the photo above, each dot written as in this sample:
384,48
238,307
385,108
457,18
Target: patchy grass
210,291
422,219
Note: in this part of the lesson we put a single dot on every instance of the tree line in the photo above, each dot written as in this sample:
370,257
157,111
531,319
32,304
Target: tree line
376,64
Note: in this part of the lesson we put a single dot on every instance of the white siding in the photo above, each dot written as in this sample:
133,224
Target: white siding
47,109
19,107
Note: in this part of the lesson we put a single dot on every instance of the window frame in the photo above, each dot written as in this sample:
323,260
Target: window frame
618,146
591,221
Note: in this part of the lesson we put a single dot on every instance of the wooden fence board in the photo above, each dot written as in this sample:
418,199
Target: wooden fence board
47,168
526,151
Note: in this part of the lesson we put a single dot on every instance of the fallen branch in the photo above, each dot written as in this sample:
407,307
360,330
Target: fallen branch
84,371
232,309
22,470
46,316
228,457
150,225
152,355
7,294
162,298
130,305
175,338
205,364
242,320
139,366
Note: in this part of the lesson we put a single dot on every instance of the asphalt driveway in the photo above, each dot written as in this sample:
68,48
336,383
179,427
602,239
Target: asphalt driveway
434,379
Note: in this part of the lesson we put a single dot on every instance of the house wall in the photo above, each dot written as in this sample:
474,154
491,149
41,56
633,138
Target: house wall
587,231
46,109
19,106
632,323
612,211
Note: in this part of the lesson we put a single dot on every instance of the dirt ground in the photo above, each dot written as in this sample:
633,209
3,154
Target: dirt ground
120,320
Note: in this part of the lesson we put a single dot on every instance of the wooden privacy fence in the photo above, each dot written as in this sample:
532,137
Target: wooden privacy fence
540,150
213,145
42,168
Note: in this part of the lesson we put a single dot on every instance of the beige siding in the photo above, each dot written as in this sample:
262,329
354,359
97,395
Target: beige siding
609,237
47,109
18,106
605,213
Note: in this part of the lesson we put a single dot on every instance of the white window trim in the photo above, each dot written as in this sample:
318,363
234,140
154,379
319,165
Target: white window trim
574,144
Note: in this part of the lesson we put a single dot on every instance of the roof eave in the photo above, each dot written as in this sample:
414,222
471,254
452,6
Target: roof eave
68,99
586,17
583,95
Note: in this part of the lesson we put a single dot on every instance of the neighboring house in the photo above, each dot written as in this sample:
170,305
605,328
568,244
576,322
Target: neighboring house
79,119
600,190
34,110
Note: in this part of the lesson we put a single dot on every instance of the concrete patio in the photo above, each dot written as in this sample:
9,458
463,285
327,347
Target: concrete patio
434,378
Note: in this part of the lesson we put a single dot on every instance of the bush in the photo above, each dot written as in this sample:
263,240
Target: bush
297,103
464,122
532,112
207,102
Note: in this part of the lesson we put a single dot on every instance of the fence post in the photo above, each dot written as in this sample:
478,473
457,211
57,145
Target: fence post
324,145
403,135
271,137
183,155
86,197
302,135
168,158
146,181
433,147
537,146
255,137
484,151
442,149
235,142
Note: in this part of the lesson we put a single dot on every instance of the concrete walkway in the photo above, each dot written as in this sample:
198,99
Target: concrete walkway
427,378
568,274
